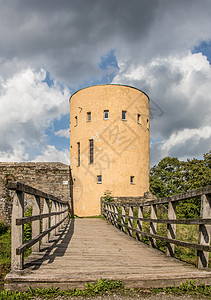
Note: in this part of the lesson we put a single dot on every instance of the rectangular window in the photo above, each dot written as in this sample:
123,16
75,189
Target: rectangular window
131,179
79,153
89,117
99,179
147,123
91,151
123,115
138,118
106,114
76,121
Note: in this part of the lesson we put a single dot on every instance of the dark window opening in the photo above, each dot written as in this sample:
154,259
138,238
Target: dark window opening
89,117
76,121
124,115
79,153
91,151
99,179
138,118
106,114
131,179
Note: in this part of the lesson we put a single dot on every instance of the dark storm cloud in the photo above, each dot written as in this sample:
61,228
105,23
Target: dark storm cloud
68,37
152,41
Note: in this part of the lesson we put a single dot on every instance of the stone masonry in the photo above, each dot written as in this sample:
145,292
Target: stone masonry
52,178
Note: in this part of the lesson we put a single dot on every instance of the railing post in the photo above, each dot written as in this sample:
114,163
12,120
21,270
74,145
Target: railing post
109,213
53,218
116,215
113,215
36,210
139,223
56,217
63,214
153,225
59,216
105,214
204,232
101,207
17,231
46,210
171,228
130,221
123,219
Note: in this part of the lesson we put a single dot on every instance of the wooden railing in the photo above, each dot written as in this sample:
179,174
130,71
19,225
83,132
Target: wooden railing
121,215
54,213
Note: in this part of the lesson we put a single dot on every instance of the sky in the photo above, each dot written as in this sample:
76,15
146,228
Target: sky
49,49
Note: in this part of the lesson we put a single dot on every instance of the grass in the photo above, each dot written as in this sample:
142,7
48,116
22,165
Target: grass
5,255
88,217
106,287
188,233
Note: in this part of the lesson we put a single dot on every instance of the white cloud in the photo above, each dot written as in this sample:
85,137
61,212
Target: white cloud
63,133
180,89
27,108
51,154
181,137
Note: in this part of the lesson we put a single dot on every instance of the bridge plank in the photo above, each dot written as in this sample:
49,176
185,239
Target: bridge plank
90,249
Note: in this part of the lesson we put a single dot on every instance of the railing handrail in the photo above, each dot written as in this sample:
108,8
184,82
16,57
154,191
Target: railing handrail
111,213
174,198
165,221
21,187
52,220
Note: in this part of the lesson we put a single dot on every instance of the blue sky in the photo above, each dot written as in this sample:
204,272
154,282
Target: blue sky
51,49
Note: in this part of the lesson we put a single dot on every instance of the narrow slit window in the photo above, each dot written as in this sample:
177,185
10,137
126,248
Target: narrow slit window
91,151
79,153
138,118
132,180
106,114
147,123
89,116
124,115
76,121
99,179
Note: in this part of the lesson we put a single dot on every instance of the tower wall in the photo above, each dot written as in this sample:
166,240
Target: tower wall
121,147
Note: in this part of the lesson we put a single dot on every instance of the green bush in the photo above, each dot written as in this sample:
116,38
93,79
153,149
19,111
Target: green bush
108,196
3,228
28,226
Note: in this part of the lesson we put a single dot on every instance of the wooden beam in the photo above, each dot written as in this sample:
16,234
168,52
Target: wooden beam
18,186
29,244
171,229
204,232
17,231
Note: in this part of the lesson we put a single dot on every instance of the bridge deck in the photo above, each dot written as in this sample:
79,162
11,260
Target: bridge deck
90,249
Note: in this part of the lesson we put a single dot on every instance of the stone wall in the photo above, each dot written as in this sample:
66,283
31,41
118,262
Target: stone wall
52,178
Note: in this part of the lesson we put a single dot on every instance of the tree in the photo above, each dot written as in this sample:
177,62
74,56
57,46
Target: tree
172,176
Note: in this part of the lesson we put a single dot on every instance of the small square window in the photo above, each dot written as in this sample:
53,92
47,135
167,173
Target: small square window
99,179
106,114
89,117
124,115
132,179
138,118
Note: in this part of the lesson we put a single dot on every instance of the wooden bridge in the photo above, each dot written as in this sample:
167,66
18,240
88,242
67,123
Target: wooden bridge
68,252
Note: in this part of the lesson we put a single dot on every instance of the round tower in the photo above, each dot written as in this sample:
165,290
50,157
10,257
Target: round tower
109,145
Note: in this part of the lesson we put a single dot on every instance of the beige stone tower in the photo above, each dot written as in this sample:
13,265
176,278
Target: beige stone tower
109,144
